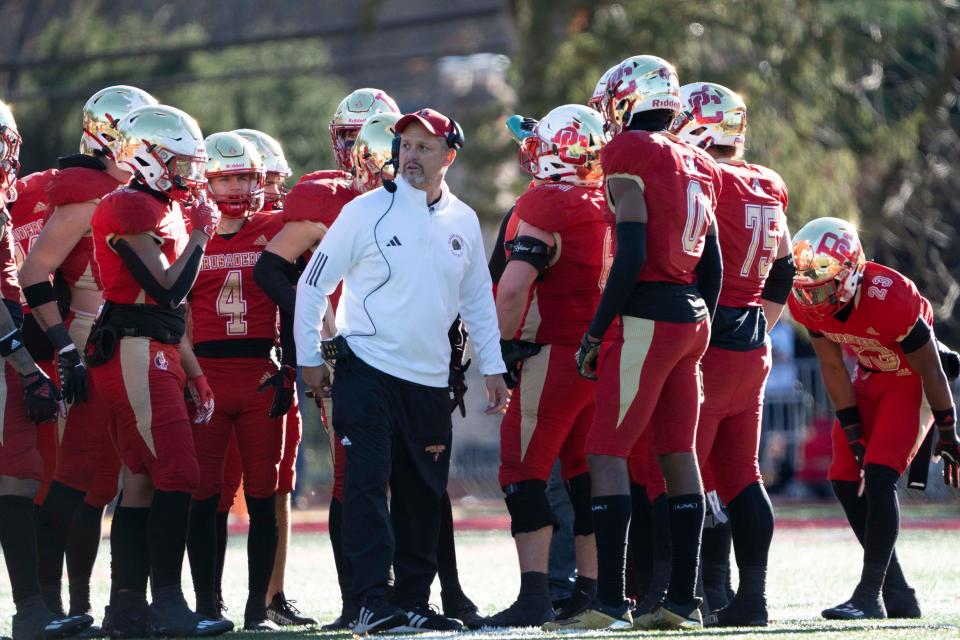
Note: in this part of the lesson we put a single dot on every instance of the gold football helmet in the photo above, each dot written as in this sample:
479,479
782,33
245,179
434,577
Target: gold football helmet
10,141
596,100
830,261
274,162
103,111
710,114
638,84
350,115
565,146
373,150
230,154
163,147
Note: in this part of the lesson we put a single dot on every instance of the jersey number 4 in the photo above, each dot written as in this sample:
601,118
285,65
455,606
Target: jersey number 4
761,220
230,303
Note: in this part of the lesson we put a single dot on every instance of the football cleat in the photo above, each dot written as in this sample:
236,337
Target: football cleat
598,617
285,614
527,612
739,613
856,609
578,602
376,615
428,618
346,619
34,621
169,615
462,608
669,615
901,603
126,615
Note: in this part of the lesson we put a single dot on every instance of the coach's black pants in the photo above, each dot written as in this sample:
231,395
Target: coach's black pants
395,433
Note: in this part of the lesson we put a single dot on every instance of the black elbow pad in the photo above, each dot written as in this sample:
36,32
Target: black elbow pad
949,360
533,251
918,336
776,288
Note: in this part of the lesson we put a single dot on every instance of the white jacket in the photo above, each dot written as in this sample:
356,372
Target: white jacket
407,269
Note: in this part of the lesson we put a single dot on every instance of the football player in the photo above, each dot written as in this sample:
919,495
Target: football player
87,468
845,301
663,283
309,209
558,256
234,326
148,264
758,273
30,398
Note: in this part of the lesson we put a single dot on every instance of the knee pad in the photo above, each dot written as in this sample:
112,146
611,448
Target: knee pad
528,506
879,477
578,488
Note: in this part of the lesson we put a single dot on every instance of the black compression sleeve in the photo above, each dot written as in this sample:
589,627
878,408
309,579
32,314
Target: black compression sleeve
276,277
918,336
498,259
288,349
175,295
627,262
710,273
776,288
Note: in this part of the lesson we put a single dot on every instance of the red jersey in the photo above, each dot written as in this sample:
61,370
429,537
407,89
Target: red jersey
75,185
225,302
564,300
29,211
680,185
884,311
750,224
129,211
9,286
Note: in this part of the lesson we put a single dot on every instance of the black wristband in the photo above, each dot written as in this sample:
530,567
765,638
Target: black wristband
945,419
849,416
39,294
59,337
11,342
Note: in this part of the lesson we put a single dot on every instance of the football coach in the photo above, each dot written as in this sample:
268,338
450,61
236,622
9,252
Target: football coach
411,257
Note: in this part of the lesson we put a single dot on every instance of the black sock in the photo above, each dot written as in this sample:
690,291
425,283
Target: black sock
222,521
83,543
855,508
167,537
882,526
641,538
447,550
751,522
129,553
534,586
715,558
53,526
662,550
686,525
611,522
339,559
202,552
19,541
261,551
586,585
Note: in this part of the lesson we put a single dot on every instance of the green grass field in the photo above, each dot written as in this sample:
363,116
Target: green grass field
810,569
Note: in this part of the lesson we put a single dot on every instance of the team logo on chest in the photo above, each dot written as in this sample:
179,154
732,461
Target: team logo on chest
455,242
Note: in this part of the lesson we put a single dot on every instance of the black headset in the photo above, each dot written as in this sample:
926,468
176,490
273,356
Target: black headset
454,140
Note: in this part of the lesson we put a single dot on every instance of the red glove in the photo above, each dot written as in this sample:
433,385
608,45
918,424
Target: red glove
202,396
204,215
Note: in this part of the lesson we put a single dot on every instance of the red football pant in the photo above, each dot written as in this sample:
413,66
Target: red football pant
649,376
292,432
239,409
890,409
19,455
550,413
47,433
728,434
232,475
644,469
142,384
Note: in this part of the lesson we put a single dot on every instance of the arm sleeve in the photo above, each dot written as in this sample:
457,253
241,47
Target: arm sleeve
175,295
478,310
276,277
332,259
498,258
776,288
710,273
627,263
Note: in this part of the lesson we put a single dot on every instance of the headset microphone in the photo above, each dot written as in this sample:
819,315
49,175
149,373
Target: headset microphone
387,183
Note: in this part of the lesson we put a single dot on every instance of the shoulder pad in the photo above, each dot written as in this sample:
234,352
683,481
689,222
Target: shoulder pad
326,174
317,201
555,207
623,156
892,300
79,184
128,211
31,194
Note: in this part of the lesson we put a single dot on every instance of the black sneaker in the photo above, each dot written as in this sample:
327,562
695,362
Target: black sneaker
377,614
255,616
126,615
346,619
901,603
285,614
51,594
428,618
169,615
578,602
463,609
34,621
524,612
741,612
856,609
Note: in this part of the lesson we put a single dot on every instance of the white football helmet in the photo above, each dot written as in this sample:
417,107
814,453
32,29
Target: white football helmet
710,114
231,154
350,115
565,146
373,150
163,147
638,84
830,263
103,111
10,141
274,162
596,100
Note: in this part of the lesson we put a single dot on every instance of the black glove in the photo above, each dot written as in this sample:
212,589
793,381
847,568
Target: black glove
73,375
948,449
854,433
43,399
283,383
458,387
949,360
514,352
587,357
